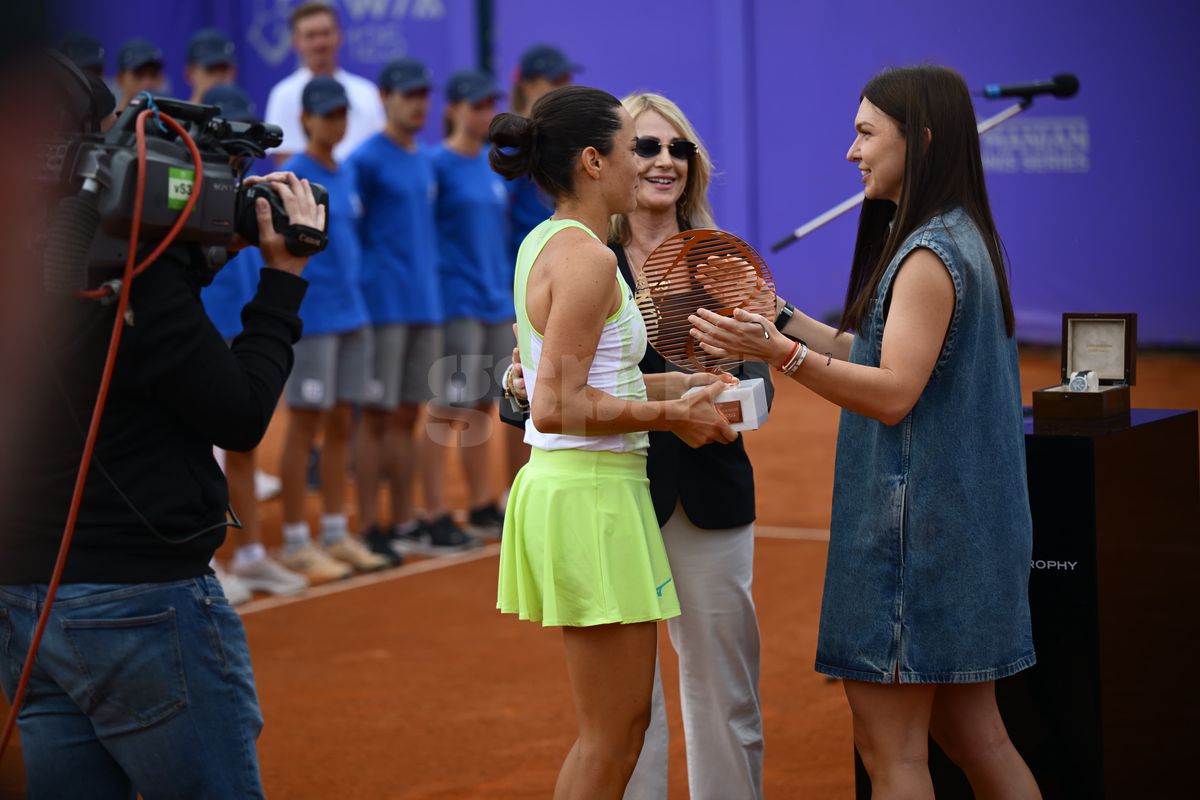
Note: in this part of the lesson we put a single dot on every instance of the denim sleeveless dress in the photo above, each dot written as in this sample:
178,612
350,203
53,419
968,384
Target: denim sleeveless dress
928,572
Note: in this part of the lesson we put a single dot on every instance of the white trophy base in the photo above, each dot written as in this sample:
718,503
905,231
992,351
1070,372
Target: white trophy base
744,405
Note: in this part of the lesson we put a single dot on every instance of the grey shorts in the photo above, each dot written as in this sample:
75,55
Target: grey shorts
330,368
405,356
476,355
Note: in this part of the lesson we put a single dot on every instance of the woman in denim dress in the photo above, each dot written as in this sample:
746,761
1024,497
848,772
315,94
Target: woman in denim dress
926,587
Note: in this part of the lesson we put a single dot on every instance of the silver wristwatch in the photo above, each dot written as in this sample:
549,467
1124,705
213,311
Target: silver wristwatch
1083,381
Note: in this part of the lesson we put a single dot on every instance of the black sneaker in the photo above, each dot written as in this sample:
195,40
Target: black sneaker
486,521
379,542
435,538
409,538
444,536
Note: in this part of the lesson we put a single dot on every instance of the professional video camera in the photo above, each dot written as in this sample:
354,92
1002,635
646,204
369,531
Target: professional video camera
97,174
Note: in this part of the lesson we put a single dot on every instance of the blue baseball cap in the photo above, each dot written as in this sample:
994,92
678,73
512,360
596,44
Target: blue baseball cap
234,103
546,61
471,85
209,47
322,95
85,51
404,75
137,53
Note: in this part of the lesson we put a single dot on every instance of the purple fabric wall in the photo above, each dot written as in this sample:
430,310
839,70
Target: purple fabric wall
1091,195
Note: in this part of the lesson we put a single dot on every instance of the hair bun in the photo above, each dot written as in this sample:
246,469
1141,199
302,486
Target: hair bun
547,144
512,138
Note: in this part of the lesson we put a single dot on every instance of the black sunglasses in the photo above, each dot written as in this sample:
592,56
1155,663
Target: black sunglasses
649,147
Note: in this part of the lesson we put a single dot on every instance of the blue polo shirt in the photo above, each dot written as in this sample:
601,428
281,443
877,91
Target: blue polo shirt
528,207
399,233
334,302
231,289
474,266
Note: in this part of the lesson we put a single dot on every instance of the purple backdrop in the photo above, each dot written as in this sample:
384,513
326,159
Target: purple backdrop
442,33
1089,194
1088,206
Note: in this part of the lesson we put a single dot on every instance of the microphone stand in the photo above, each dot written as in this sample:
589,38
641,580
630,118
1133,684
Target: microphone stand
851,202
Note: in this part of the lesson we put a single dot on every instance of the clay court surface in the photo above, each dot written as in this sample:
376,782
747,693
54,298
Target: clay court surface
409,684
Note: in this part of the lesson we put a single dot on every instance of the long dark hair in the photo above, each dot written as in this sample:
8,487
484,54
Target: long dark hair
945,175
546,144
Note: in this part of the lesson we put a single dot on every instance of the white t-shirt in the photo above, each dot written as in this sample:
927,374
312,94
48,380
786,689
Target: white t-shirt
366,116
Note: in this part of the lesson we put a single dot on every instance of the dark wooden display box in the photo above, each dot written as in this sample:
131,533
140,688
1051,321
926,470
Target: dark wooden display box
1105,344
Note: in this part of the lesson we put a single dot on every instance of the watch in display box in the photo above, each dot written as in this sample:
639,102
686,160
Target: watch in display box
1099,364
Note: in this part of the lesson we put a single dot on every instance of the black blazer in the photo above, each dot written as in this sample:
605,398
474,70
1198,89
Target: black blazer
714,483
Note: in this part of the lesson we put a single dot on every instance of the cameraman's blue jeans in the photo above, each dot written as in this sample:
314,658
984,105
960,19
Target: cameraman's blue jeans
137,688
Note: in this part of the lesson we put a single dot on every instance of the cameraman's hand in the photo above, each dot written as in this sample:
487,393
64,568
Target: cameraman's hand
302,209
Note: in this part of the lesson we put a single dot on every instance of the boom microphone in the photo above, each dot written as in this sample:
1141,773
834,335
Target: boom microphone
1062,85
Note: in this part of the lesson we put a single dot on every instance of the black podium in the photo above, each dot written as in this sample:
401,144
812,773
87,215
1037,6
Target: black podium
1110,710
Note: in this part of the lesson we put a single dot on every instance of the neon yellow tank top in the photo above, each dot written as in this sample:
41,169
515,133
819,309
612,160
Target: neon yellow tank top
615,367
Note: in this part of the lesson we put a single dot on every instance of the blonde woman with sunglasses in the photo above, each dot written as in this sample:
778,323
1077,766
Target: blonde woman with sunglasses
703,499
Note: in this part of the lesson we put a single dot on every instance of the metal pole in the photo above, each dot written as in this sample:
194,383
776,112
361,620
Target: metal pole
484,24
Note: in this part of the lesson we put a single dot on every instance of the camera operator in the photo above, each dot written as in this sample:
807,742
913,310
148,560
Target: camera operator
143,682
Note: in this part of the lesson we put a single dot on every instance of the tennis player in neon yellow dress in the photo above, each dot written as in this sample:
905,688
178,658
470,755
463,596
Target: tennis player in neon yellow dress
582,548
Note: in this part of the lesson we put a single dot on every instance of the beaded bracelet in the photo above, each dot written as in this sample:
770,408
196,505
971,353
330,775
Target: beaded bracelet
510,393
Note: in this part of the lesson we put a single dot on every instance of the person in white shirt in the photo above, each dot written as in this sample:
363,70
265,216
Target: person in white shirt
317,38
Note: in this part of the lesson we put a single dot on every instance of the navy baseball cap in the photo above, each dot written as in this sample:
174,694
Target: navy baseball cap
404,75
209,47
471,85
138,53
85,51
546,61
322,95
234,103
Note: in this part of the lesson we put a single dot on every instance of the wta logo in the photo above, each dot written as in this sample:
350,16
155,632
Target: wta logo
371,28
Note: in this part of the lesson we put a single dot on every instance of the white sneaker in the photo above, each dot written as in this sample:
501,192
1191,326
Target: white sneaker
315,564
266,487
350,550
268,575
236,592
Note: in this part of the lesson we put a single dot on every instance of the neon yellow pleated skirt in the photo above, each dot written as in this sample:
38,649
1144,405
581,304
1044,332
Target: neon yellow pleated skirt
581,542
